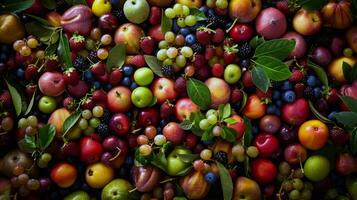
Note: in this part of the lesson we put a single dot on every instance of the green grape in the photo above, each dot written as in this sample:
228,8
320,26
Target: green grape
32,121
238,150
178,9
206,154
41,163
180,61
240,158
168,61
294,195
170,37
306,194
88,131
204,124
211,112
94,122
186,51
163,44
170,13
87,114
190,20
161,54
160,140
212,119
348,52
145,150
298,184
172,52
252,151
46,157
185,10
83,124
181,22
222,4
23,123
98,111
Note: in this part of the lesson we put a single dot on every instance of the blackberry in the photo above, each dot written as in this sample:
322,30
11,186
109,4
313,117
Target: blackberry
103,130
221,157
213,21
92,55
106,116
168,71
309,92
197,48
245,50
80,63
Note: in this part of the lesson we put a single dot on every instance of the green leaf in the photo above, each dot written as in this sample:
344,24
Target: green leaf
318,115
25,147
277,48
199,93
320,72
7,6
154,64
188,158
311,4
230,120
228,134
51,49
185,171
116,57
244,101
350,102
227,111
200,15
166,23
70,122
248,136
29,107
256,41
348,119
160,161
64,52
220,111
275,69
207,134
144,160
46,135
30,141
196,117
260,79
226,182
353,141
16,98
39,19
186,125
49,4
44,32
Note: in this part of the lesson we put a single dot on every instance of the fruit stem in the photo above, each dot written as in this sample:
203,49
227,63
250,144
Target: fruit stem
234,22
133,190
116,155
167,180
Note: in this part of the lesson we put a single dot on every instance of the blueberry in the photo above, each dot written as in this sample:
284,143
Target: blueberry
190,39
163,123
185,31
20,73
107,87
317,92
88,75
129,160
211,178
175,27
271,109
278,103
96,84
276,95
331,116
126,81
311,81
287,86
128,70
208,142
245,63
211,12
289,96
133,85
204,9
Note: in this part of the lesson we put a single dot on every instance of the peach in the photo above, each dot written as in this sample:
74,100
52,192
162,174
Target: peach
129,34
64,174
254,108
335,68
220,91
194,185
247,188
313,134
239,126
244,10
184,107
51,84
57,119
307,22
163,89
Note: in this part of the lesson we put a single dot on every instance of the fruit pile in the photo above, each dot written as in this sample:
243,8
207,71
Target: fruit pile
175,100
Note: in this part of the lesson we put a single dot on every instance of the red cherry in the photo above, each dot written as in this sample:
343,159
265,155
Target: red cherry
217,70
90,150
267,144
241,32
264,171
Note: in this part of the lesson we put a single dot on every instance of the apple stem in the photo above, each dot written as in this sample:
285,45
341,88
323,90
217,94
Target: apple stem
116,155
167,180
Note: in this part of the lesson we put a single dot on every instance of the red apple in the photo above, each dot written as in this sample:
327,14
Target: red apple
263,170
90,150
295,113
119,99
173,133
129,34
307,22
254,107
271,23
184,107
220,91
267,144
241,32
78,19
147,117
120,124
300,45
239,126
163,89
295,153
51,84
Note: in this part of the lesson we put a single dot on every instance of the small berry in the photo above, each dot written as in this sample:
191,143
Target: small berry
210,177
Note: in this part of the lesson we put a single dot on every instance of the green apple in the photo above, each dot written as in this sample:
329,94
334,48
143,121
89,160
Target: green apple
174,163
141,97
232,73
143,76
136,11
77,195
351,185
118,189
317,168
101,7
47,104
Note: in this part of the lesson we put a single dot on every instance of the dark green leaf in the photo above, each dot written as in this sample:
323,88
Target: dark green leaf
7,6
188,158
226,182
207,134
244,101
186,125
166,23
40,30
51,49
311,4
185,171
347,72
275,69
144,160
350,102
25,147
200,15
160,161
277,48
318,115
70,122
220,111
230,120
116,57
227,111
354,8
320,72
49,4
64,52
16,98
353,141
29,107
46,135
39,19
260,79
228,134
154,64
256,41
196,117
199,93
248,136
348,119
30,141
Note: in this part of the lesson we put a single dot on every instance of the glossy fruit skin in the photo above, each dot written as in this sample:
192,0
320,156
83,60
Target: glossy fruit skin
295,113
57,118
146,178
120,124
239,126
83,22
263,171
244,10
148,117
163,89
90,150
184,107
63,174
295,153
51,84
335,68
174,133
316,168
118,189
300,45
47,104
313,134
98,175
307,22
254,107
337,14
271,23
241,32
129,34
136,11
246,187
194,185
77,195
267,145
346,164
11,28
270,124
118,99
220,91
174,163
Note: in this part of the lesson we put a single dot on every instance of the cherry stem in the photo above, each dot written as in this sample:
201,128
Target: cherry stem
167,180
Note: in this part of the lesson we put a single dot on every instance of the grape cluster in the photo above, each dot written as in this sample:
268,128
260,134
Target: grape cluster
240,152
30,125
182,13
148,139
90,119
24,184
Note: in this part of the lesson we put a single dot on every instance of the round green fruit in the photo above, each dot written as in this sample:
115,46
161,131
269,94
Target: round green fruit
232,73
47,104
143,76
141,97
317,168
118,189
78,195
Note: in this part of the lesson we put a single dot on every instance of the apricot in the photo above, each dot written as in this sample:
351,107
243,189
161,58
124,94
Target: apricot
64,174
313,134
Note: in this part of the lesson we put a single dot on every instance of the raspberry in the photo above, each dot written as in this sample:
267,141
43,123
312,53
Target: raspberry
221,157
168,71
197,48
296,76
80,63
245,50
